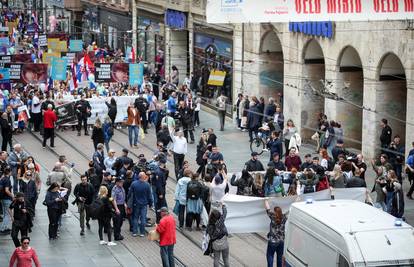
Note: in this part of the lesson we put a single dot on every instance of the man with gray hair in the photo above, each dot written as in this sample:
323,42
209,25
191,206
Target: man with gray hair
49,119
15,161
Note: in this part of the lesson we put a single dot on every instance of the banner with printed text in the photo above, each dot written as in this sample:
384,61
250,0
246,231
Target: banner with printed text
245,11
58,71
112,72
136,74
32,73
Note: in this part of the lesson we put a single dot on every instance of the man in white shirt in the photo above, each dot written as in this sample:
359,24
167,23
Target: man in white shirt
36,111
179,151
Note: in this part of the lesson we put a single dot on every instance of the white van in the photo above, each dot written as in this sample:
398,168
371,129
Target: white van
345,233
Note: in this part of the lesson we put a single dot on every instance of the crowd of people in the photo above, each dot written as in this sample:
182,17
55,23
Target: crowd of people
117,189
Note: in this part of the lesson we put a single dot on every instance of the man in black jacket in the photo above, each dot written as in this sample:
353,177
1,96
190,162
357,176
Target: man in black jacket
84,193
142,105
254,164
386,134
83,111
186,115
22,220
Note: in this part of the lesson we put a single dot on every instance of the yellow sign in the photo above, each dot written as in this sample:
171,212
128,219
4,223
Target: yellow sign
53,44
47,57
216,78
63,46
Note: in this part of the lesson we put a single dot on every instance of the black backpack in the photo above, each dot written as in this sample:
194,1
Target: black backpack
193,190
95,209
308,189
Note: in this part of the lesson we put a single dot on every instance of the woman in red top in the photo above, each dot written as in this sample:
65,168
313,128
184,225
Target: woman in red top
24,255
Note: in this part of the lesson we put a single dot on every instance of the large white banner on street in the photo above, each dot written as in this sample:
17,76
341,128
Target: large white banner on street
248,214
244,11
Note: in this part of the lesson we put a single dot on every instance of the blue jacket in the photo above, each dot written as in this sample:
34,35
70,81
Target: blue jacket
51,200
106,130
141,193
275,146
181,190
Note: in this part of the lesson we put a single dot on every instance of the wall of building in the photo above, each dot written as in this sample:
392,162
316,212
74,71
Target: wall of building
372,41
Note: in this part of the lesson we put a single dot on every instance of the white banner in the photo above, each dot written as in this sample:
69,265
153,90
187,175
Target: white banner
99,108
245,11
248,214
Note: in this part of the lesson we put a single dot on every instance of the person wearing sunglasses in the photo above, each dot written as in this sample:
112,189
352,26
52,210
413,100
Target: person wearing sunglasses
24,255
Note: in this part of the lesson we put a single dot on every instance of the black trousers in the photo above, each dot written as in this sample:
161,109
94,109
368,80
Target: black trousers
196,118
49,133
7,140
37,121
191,134
181,215
144,121
178,163
53,215
83,120
15,234
222,115
190,217
105,223
118,221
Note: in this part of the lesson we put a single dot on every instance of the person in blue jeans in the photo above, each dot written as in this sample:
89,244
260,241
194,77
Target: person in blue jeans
140,192
276,235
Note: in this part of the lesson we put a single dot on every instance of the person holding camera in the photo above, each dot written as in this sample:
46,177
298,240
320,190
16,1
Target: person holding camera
54,201
84,193
83,111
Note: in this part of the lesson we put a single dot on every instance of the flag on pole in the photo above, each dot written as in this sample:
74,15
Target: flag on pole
132,55
74,80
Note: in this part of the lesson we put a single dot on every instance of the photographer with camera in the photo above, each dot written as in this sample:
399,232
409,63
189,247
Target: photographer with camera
83,112
84,193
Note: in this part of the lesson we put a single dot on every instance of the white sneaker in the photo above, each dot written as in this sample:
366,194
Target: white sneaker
141,235
102,242
111,244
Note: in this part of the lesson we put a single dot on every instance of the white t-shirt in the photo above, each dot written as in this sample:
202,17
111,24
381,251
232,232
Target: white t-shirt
217,191
35,101
179,145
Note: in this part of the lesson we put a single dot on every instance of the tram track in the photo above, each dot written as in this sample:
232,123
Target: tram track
244,238
178,262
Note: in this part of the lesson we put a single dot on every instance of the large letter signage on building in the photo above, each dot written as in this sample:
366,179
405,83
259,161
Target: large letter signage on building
243,11
319,28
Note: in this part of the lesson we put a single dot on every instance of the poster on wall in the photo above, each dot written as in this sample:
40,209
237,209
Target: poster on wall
112,72
28,73
253,11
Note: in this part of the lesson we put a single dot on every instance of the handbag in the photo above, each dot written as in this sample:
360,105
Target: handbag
176,209
221,244
153,235
243,122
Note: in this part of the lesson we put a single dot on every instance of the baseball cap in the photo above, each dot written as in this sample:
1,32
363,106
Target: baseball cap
254,154
163,209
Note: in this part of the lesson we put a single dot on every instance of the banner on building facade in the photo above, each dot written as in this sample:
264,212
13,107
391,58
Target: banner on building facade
112,72
58,71
245,11
136,74
216,77
27,73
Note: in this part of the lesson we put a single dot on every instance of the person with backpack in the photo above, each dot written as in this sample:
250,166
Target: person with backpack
84,194
308,179
141,104
273,185
102,210
181,196
217,231
194,203
244,184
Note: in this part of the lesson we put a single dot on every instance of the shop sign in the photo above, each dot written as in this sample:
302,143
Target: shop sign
175,19
315,28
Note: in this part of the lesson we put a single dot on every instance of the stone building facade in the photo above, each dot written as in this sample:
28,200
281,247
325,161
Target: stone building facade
362,74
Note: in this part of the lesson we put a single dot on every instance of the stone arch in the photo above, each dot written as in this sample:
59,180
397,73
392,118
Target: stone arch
313,75
350,86
391,93
271,70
